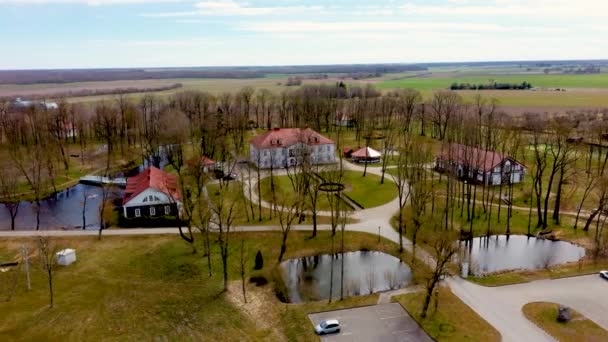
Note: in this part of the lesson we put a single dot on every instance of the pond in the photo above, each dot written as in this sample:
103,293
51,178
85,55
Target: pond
308,279
63,210
501,253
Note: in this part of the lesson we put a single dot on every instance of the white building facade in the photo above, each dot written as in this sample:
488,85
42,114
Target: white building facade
290,147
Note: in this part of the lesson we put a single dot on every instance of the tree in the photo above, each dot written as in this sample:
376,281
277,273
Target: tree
259,261
243,268
222,218
444,245
46,252
400,181
9,188
174,137
287,210
420,191
445,105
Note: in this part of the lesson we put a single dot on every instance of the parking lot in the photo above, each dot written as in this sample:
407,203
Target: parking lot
383,322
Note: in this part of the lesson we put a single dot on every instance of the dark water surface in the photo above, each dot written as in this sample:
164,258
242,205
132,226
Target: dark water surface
308,279
501,253
64,209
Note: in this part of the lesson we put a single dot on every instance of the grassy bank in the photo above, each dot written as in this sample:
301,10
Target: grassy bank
586,266
579,328
367,190
452,321
152,287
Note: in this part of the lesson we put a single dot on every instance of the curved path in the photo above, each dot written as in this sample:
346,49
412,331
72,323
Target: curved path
500,306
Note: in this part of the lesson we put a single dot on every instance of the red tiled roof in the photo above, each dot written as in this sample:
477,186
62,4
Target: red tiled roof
473,156
284,137
203,161
151,178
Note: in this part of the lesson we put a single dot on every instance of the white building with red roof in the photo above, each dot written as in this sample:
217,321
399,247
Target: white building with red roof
152,193
479,165
282,147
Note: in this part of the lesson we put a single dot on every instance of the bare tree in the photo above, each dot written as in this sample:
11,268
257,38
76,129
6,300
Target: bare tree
444,246
287,210
222,218
46,252
9,188
400,181
243,268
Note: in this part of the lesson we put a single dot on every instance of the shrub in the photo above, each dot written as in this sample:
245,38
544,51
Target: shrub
259,261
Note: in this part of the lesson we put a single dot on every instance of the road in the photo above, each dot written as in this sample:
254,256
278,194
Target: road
500,306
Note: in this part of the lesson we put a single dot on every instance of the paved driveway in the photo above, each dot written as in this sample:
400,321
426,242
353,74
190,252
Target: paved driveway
501,306
383,322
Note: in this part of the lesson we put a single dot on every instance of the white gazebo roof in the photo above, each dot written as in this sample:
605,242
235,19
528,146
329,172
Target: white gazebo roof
366,152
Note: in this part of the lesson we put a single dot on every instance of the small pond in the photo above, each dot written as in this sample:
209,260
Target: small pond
62,210
365,272
501,253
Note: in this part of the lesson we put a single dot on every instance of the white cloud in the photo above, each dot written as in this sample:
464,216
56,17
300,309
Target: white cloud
536,8
369,26
85,2
233,8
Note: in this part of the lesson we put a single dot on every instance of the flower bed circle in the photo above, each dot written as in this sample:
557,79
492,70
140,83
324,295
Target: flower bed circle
331,187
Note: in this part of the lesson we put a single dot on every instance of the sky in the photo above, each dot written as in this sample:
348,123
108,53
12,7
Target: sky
43,34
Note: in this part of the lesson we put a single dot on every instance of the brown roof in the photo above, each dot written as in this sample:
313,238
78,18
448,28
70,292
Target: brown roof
284,137
473,156
151,178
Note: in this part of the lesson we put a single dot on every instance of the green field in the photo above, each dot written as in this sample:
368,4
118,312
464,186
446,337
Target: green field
537,80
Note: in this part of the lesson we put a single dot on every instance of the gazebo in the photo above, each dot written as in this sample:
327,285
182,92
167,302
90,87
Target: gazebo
366,155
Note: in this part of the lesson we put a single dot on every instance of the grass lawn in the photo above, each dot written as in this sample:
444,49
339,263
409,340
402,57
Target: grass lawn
579,328
453,320
586,266
367,190
154,288
243,209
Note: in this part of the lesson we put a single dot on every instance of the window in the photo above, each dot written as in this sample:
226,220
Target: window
167,210
156,198
145,199
151,198
152,211
137,212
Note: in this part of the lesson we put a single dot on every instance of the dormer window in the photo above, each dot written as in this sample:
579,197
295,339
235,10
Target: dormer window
273,142
280,142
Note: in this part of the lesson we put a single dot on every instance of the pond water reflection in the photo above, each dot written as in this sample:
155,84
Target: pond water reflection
63,210
308,279
501,253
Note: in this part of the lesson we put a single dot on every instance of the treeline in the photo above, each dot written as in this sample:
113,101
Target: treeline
491,86
91,75
94,92
590,69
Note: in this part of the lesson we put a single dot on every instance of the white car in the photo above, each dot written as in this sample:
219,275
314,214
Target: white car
604,274
327,327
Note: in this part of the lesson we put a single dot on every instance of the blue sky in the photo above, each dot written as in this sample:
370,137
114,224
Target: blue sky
130,33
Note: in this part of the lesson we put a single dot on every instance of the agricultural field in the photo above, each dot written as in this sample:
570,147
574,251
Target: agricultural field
580,90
